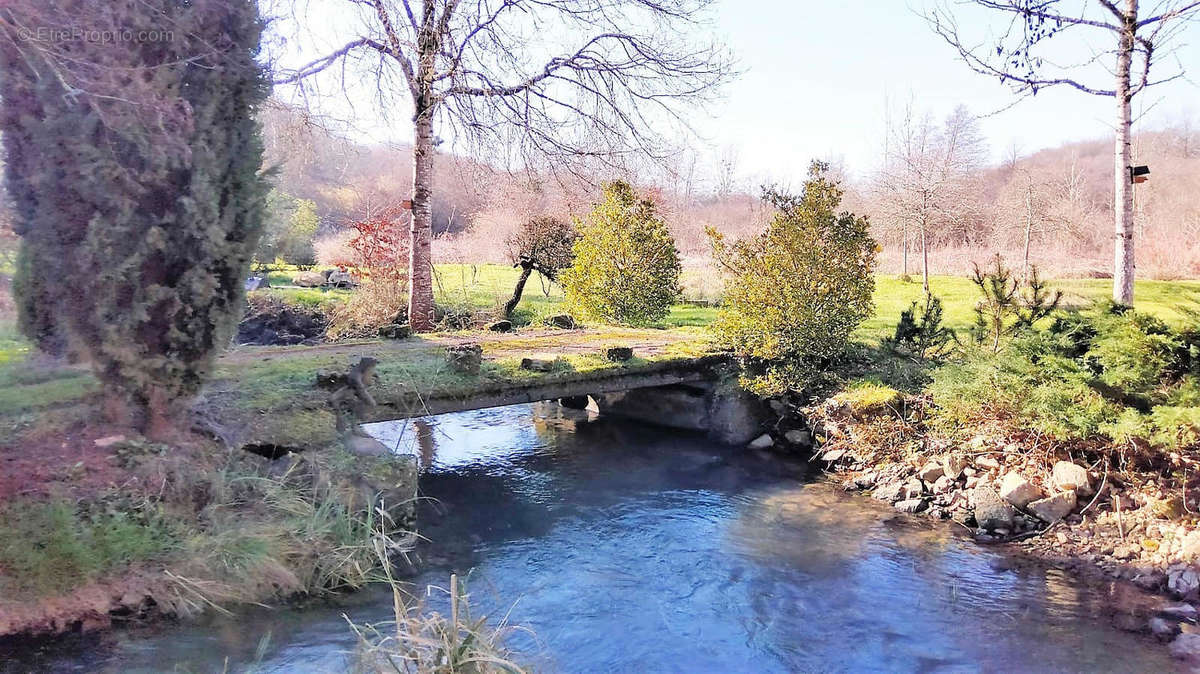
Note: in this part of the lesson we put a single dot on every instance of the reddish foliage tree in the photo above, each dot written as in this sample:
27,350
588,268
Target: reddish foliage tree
380,244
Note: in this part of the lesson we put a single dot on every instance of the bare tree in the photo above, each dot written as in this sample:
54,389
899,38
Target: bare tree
927,176
1017,55
529,81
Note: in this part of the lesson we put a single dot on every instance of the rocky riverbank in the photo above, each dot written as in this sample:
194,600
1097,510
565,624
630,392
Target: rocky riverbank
1043,501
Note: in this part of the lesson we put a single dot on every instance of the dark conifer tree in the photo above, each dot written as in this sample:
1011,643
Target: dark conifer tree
135,171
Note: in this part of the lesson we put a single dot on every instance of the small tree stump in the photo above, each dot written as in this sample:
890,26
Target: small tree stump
618,354
465,358
563,321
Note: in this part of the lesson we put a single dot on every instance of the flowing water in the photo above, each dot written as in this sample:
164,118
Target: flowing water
625,547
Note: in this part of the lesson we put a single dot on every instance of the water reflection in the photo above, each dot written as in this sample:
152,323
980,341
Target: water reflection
630,548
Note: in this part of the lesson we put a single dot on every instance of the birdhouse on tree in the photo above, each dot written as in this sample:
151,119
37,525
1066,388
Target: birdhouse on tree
1139,174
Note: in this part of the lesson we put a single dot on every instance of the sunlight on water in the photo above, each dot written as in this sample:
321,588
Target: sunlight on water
630,548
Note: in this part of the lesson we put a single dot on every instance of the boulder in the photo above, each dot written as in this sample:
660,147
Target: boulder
914,488
1186,647
942,485
563,321
500,326
865,481
1053,508
798,437
341,279
991,511
309,279
1179,610
1163,628
618,354
763,441
987,463
1183,580
953,466
1018,490
465,358
930,472
889,492
1189,547
1067,475
395,331
911,505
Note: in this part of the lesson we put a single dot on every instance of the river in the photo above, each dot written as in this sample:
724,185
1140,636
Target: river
626,547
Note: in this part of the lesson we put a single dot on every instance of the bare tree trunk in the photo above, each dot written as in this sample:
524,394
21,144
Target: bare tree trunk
905,254
1123,270
924,260
517,292
420,254
1028,225
420,276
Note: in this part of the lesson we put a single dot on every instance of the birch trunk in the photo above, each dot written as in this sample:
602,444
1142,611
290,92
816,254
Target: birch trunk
1123,269
420,237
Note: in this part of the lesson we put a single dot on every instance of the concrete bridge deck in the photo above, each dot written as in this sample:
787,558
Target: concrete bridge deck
267,395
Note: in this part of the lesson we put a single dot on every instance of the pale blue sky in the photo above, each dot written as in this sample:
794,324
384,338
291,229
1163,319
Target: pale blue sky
816,76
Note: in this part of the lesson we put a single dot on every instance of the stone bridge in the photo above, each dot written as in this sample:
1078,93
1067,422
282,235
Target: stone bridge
689,393
266,396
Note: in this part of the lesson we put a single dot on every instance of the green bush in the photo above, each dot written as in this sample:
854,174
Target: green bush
794,293
1134,353
626,267
1110,375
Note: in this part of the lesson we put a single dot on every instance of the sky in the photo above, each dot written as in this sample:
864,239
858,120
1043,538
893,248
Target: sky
817,79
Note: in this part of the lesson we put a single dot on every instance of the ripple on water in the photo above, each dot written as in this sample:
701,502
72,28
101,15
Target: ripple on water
629,548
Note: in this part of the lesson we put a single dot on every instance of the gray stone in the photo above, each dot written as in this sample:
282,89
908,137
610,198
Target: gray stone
911,505
1189,546
1018,490
1183,580
798,437
987,463
889,492
465,358
942,485
865,481
1066,475
763,441
1162,628
913,488
1186,647
991,511
1053,508
500,326
1179,610
341,279
953,466
930,472
618,354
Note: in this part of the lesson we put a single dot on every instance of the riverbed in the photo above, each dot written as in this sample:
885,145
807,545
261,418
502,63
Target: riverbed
626,547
